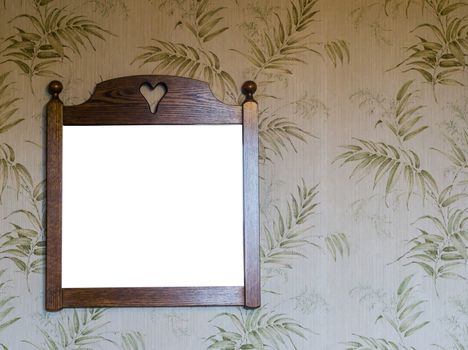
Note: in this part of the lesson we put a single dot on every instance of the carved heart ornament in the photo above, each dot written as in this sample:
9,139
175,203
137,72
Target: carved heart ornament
153,95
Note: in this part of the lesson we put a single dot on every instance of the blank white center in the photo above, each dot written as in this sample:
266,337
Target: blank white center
152,206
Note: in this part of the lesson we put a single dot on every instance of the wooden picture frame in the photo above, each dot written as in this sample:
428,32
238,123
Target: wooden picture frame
120,102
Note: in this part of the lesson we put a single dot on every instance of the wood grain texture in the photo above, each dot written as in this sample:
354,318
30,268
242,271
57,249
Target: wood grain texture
120,102
143,297
251,206
54,200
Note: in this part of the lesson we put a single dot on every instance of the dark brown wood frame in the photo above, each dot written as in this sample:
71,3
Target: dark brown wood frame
119,102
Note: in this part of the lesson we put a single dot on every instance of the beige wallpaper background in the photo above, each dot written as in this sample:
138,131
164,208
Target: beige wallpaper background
364,165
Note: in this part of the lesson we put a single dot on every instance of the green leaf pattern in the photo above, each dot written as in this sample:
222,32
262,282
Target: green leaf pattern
346,118
53,34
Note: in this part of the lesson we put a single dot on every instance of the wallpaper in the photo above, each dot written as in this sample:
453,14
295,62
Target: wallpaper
363,159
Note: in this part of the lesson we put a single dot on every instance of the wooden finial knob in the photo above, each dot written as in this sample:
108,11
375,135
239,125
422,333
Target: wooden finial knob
55,88
248,89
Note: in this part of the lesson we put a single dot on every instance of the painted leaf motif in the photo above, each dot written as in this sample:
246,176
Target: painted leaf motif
258,329
185,60
438,54
55,34
287,233
286,42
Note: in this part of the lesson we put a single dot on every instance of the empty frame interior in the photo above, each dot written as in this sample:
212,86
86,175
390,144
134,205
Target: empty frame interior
152,196
170,217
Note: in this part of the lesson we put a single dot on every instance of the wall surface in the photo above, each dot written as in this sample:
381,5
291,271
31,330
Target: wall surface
364,165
